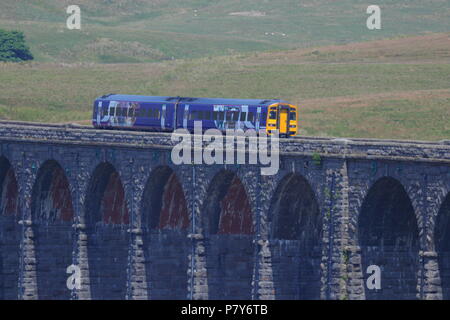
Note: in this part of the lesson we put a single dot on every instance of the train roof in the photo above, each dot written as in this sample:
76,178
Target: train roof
158,99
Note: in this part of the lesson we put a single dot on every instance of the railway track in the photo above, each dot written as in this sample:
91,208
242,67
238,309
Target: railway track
74,126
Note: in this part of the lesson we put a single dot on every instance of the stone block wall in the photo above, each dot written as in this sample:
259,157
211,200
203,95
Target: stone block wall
139,227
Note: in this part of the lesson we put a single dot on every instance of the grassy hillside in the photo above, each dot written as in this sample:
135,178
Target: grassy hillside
395,88
140,30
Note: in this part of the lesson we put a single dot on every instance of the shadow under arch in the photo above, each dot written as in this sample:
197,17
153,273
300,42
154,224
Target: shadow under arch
10,231
442,241
228,223
295,240
165,220
52,215
107,219
389,238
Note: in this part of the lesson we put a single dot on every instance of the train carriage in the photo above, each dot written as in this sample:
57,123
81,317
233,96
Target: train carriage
156,113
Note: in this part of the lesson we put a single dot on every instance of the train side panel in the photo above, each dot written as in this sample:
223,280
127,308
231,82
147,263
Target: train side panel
222,117
133,115
168,116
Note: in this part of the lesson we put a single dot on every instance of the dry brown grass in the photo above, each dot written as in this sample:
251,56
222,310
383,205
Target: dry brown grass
434,47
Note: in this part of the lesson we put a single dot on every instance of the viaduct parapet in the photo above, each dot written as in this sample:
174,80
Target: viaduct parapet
113,204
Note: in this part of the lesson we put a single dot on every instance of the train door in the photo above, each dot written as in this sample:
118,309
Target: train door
175,115
113,105
258,116
99,112
283,120
231,117
242,118
184,116
219,116
131,114
163,117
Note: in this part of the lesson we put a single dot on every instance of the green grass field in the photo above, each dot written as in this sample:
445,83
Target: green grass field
131,31
386,89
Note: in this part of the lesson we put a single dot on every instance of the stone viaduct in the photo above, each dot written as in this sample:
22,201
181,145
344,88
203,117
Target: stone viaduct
140,227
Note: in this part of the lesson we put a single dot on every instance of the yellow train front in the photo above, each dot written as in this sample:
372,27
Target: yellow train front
282,117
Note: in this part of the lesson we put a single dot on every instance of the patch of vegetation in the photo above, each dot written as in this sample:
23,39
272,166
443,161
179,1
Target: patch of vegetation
13,47
317,159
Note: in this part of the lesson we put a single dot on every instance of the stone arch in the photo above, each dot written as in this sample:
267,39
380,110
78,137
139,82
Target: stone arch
227,195
442,240
389,238
228,222
295,239
105,199
10,231
51,199
9,202
163,204
107,217
52,216
165,224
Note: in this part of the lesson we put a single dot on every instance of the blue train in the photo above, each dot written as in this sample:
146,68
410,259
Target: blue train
169,113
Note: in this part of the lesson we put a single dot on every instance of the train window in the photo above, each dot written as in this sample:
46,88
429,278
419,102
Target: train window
111,111
232,116
292,116
192,115
272,115
131,113
151,113
264,116
251,117
218,115
207,115
243,116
